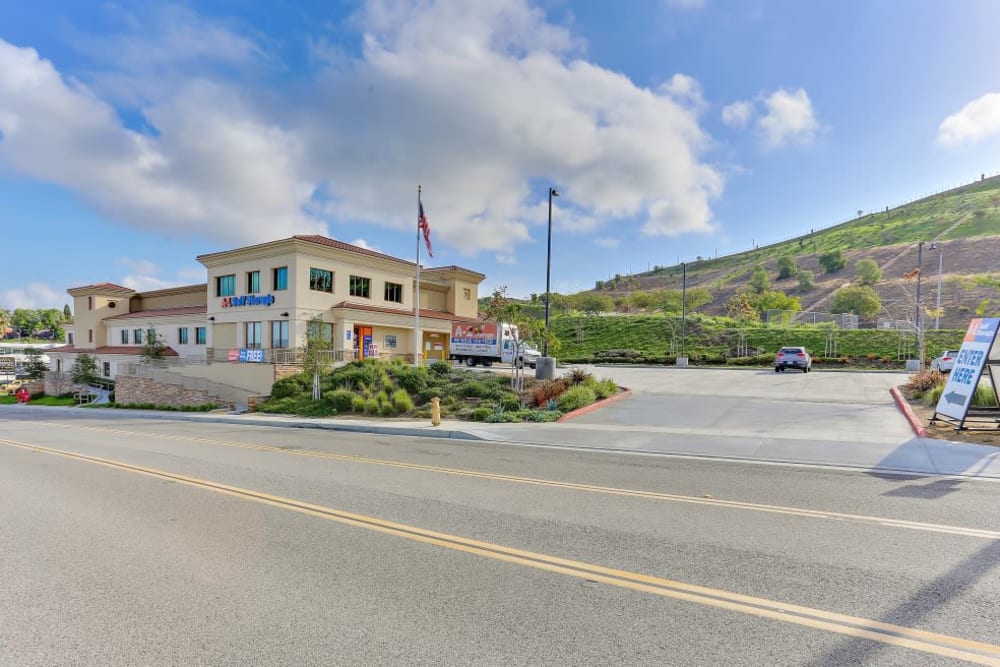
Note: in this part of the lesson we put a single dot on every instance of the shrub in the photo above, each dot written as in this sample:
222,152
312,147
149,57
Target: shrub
473,389
547,390
481,413
509,401
284,405
402,401
413,380
371,406
605,388
291,386
925,380
984,397
359,404
576,397
440,368
311,408
341,400
577,375
386,409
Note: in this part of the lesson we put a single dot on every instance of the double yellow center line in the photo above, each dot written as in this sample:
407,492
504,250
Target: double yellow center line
927,642
588,488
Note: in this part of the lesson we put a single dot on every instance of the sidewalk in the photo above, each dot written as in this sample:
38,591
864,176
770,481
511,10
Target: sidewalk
925,456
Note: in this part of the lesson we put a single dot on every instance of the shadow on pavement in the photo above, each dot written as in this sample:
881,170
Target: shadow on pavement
932,491
919,606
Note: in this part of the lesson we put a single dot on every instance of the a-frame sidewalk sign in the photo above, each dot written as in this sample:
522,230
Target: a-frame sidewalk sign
978,359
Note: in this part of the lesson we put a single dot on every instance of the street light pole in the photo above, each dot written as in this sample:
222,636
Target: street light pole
916,314
548,276
937,307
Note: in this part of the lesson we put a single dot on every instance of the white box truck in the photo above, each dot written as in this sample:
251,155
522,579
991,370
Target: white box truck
483,343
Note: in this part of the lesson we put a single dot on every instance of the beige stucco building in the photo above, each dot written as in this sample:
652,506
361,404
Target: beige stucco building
257,304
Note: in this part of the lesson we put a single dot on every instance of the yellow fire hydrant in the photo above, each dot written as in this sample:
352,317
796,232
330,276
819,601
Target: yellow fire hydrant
435,411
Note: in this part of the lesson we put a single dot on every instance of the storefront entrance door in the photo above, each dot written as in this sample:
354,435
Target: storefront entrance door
363,341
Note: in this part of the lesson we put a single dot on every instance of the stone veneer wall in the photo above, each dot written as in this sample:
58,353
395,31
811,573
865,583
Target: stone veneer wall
130,389
282,371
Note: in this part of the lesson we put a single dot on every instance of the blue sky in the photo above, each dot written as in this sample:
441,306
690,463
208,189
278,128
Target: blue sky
135,136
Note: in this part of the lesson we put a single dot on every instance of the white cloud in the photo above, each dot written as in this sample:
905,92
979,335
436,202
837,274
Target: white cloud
684,4
33,295
977,120
192,275
361,243
506,259
242,165
139,265
738,114
606,242
146,283
686,90
789,119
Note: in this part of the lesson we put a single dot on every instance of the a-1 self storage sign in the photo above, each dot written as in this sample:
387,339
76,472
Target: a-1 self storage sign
964,378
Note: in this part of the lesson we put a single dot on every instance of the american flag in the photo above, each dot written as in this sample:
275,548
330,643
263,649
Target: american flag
425,227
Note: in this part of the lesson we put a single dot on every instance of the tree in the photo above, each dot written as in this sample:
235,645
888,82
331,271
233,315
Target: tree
741,307
868,271
759,282
35,368
861,300
599,285
24,321
806,281
776,300
591,303
5,321
67,313
833,261
502,309
642,300
315,351
52,320
84,371
786,266
154,348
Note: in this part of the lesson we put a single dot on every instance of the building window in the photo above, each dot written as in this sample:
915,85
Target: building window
279,278
200,335
361,287
90,335
151,335
69,337
90,303
253,335
225,285
124,336
321,280
390,341
106,369
182,336
279,334
394,292
137,336
253,282
468,294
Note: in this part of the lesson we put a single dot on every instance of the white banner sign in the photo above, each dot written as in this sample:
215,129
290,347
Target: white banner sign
964,378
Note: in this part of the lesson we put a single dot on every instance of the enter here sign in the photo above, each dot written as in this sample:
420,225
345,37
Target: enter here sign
964,378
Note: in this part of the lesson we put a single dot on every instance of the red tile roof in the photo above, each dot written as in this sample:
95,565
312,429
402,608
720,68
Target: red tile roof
161,312
424,312
333,243
107,286
108,349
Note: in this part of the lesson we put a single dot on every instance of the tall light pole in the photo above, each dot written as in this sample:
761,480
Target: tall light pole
937,307
916,314
548,275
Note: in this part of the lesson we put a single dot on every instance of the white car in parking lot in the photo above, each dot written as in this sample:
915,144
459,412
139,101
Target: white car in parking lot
945,362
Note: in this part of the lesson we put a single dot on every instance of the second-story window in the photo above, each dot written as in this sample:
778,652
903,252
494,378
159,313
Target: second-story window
225,285
361,287
394,292
279,278
137,336
321,280
253,282
182,335
124,336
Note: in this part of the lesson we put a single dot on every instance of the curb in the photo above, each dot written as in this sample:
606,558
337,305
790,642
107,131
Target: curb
918,429
595,406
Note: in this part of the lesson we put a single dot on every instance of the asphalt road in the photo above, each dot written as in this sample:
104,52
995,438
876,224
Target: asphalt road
142,542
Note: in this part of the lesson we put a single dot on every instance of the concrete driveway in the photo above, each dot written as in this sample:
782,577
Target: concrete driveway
840,406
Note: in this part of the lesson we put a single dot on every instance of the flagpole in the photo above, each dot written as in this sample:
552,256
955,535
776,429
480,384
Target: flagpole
417,338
